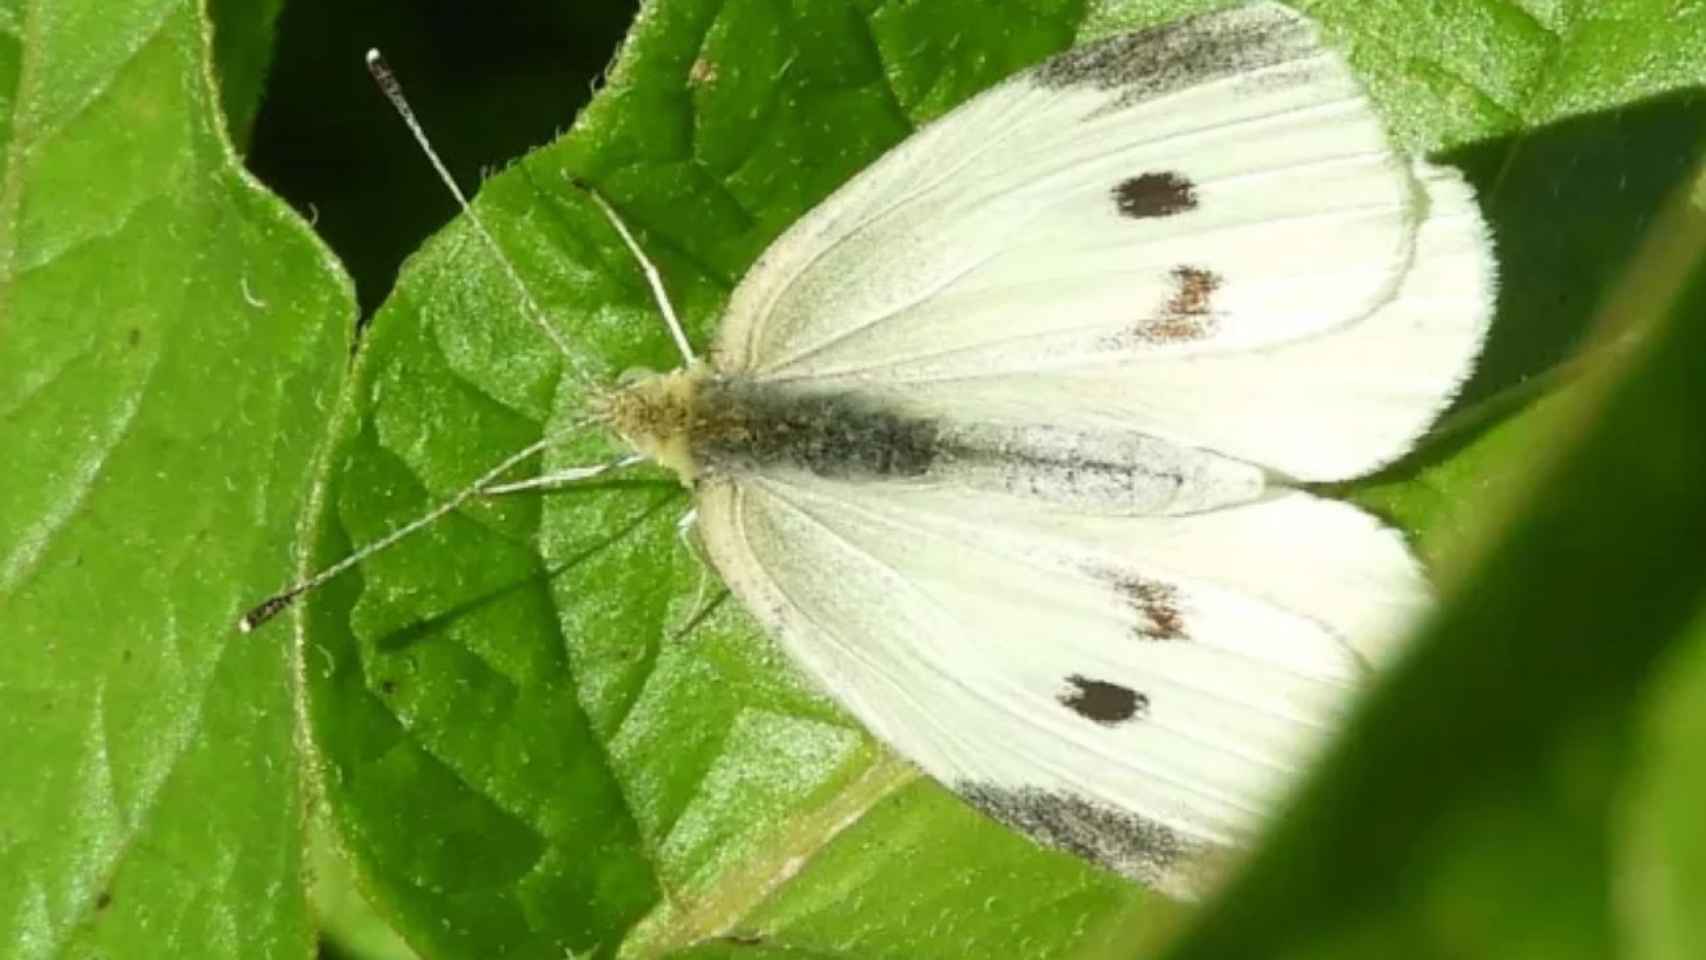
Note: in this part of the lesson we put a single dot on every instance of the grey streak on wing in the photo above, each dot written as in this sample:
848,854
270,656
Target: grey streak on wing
1184,53
1144,850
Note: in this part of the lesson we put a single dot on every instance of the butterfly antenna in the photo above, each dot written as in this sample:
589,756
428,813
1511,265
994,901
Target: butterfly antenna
653,277
393,91
281,601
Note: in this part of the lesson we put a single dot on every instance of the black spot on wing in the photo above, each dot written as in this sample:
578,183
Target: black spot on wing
1119,840
1184,53
1160,194
1100,701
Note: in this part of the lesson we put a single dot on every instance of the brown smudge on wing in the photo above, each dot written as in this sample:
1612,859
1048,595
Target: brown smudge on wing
1158,603
1187,315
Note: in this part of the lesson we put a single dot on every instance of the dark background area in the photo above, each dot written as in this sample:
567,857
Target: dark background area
490,81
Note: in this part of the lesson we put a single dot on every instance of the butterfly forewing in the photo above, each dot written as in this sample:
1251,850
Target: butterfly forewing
1331,406
1084,204
1087,242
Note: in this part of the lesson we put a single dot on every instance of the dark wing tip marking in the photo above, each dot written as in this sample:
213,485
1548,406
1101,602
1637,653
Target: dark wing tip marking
1099,701
1186,52
1160,194
1119,840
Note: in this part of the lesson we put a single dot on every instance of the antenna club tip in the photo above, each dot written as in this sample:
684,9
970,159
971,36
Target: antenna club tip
264,612
373,56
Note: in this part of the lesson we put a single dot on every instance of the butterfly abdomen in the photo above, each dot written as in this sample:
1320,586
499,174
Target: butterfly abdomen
695,422
1111,471
742,426
701,423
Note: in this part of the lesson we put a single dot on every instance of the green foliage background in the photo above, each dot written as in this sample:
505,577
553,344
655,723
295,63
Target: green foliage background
503,726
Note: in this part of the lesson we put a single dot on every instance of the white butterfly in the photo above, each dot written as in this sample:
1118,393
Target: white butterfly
1003,441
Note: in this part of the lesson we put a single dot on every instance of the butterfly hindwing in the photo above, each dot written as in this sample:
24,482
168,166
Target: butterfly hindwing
1159,676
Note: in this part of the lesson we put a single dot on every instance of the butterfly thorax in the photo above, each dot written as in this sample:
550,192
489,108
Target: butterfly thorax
653,414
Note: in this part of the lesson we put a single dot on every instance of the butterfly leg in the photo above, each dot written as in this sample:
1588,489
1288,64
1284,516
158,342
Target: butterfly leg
686,529
558,479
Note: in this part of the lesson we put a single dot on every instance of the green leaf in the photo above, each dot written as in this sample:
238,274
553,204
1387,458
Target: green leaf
532,741
1661,862
242,55
169,337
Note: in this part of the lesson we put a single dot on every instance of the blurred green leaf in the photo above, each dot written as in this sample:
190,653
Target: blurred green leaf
242,56
1472,809
1660,869
170,339
522,754
349,926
